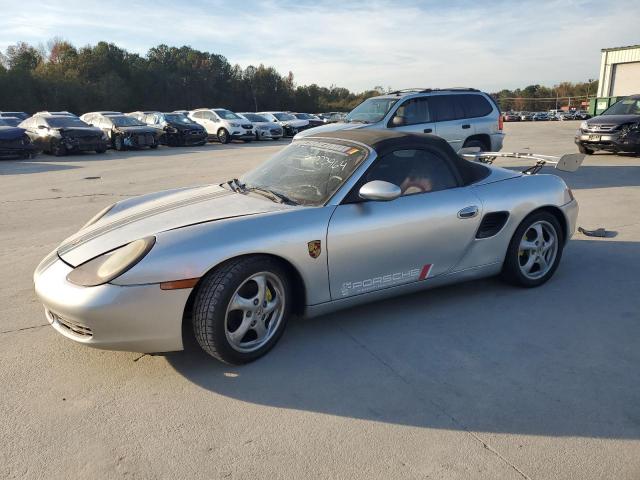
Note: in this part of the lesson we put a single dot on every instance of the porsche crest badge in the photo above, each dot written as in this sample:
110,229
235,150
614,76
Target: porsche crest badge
315,248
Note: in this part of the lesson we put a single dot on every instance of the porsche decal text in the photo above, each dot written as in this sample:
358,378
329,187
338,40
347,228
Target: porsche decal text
383,281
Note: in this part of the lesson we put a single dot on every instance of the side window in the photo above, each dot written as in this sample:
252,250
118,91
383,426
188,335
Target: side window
198,115
446,107
412,112
475,105
414,171
41,121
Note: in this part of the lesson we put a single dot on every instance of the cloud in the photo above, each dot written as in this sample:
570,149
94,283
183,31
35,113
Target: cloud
357,44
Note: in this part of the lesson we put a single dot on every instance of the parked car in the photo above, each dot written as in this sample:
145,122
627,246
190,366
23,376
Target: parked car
62,134
562,116
20,115
312,119
264,129
290,124
177,130
90,116
223,125
526,116
511,117
10,121
331,221
581,115
62,113
617,129
14,141
540,117
464,117
125,132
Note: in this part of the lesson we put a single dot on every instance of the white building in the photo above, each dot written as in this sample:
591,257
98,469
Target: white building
619,71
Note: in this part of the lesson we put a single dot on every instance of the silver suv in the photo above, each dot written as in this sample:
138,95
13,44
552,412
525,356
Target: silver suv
464,117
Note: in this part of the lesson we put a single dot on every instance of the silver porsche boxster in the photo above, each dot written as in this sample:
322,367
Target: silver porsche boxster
329,222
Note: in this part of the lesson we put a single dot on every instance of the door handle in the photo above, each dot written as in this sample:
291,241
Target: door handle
466,125
428,130
468,212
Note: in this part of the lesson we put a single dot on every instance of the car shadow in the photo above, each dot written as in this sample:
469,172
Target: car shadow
27,166
479,356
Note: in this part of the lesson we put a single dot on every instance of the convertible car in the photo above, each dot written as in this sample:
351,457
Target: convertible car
328,222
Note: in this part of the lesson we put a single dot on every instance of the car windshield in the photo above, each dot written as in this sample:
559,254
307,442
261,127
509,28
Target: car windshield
254,117
65,122
177,118
626,106
307,172
284,117
371,110
227,115
125,121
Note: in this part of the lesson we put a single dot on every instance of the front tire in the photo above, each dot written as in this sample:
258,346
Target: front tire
118,143
534,252
58,149
585,150
223,136
241,309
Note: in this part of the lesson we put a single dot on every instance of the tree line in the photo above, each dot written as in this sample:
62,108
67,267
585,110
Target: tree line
60,76
107,77
539,98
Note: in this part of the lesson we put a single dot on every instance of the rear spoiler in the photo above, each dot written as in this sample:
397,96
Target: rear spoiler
569,162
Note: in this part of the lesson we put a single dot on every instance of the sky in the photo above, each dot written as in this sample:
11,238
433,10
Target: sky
355,44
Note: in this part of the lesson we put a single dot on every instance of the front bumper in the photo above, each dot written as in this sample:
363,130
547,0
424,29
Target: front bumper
140,140
242,134
271,133
140,318
612,142
80,144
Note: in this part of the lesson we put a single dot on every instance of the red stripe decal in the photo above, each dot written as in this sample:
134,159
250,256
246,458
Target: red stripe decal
425,271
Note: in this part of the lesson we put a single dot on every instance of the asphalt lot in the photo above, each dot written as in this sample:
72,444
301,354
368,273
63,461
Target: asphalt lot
479,380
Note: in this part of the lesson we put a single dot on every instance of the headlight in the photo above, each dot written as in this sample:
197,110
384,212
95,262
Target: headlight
584,125
98,215
112,264
235,125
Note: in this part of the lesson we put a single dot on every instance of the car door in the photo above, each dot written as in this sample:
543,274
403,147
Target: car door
413,116
373,245
451,123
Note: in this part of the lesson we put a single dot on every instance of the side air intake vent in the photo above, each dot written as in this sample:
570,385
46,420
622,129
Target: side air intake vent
491,224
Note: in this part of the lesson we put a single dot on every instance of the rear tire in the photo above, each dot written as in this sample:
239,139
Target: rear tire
585,150
230,322
534,252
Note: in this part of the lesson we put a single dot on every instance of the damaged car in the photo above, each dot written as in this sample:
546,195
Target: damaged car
615,130
63,134
290,124
126,132
264,128
177,129
14,142
312,230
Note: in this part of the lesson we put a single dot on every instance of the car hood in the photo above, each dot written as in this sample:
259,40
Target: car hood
295,123
331,127
139,129
186,126
11,133
80,131
151,214
267,124
613,119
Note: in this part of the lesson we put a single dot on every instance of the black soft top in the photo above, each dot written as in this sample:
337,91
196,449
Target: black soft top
383,141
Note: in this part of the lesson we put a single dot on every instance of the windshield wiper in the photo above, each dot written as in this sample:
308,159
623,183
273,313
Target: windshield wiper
271,194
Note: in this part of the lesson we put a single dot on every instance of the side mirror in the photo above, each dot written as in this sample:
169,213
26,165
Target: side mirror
379,191
398,121
469,151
